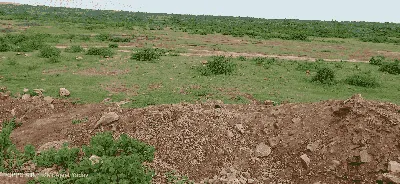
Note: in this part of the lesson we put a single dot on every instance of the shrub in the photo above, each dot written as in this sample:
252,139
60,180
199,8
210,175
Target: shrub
100,51
5,47
113,45
119,39
48,52
242,58
391,67
103,37
377,60
74,49
362,79
218,65
147,54
324,75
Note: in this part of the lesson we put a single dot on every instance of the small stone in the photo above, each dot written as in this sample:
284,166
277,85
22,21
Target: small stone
26,90
394,167
269,102
391,178
78,58
250,181
48,99
51,106
305,160
365,157
64,92
229,134
13,112
262,150
107,119
26,96
94,159
313,146
240,128
273,141
296,120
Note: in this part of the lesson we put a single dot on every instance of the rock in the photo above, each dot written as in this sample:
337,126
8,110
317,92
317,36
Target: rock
334,164
48,99
313,146
78,58
64,92
54,144
262,150
51,106
365,157
388,177
273,141
107,100
25,90
107,119
229,134
39,91
204,62
94,159
13,112
26,96
240,128
305,160
394,167
296,120
269,102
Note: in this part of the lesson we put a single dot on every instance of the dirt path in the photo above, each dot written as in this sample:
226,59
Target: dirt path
206,53
329,142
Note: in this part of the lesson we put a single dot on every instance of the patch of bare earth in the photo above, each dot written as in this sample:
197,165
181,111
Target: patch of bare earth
328,142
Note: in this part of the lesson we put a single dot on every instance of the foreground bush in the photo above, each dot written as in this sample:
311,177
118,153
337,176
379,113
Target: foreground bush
119,161
391,67
218,65
49,52
324,75
103,51
362,79
113,45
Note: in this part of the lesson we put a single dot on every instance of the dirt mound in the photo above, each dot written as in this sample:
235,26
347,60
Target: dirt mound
328,142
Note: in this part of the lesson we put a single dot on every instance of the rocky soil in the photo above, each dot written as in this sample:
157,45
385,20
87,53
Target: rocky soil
352,141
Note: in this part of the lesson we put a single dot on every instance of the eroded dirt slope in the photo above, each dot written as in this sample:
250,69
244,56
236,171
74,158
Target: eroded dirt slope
352,141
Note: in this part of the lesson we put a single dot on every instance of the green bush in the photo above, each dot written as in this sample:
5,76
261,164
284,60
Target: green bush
113,45
324,75
5,47
49,52
377,60
74,49
103,37
218,65
102,51
364,79
391,67
119,39
148,54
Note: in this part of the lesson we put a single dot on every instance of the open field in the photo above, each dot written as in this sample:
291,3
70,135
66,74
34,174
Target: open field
208,98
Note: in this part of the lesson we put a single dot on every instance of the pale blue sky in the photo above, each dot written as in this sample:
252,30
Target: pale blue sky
341,10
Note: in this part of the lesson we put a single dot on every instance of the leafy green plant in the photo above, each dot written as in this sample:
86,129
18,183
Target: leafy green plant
173,178
364,79
377,60
218,65
49,52
102,51
147,54
5,47
74,49
324,75
113,45
242,58
103,37
391,67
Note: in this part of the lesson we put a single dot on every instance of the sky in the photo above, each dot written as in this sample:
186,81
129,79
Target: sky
340,10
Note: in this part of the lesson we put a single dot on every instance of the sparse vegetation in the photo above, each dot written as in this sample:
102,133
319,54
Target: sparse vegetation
391,67
49,52
377,60
74,49
218,65
364,79
102,51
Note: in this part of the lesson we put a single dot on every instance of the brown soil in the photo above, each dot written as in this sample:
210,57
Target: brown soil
205,141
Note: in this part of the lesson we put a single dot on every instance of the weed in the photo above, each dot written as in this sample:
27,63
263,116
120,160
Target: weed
364,79
103,37
377,60
324,75
339,65
54,59
113,45
49,52
100,51
173,178
78,121
5,47
119,39
74,49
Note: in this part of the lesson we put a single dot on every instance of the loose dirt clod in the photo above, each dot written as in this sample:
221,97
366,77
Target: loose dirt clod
64,92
